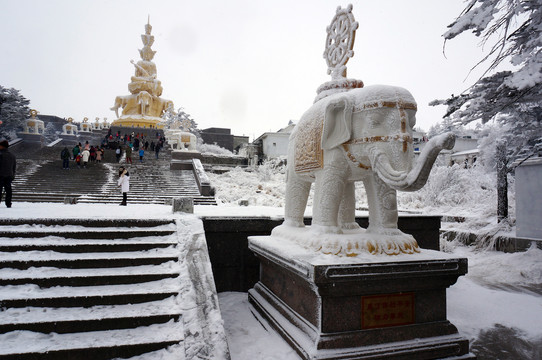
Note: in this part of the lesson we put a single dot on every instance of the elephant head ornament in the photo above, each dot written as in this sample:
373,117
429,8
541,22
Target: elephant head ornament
363,135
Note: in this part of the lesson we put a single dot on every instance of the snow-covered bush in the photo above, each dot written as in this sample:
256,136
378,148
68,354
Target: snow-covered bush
262,187
213,149
269,168
456,191
452,191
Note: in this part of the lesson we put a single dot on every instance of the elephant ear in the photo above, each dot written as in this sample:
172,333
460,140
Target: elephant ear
337,123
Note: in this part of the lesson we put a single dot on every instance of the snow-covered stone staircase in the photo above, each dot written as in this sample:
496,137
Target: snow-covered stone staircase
89,289
151,182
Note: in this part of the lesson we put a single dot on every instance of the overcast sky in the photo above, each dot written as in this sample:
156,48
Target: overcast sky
242,64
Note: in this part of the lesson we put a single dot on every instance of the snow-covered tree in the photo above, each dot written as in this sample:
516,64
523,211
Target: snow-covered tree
512,98
13,111
50,134
513,29
448,125
180,119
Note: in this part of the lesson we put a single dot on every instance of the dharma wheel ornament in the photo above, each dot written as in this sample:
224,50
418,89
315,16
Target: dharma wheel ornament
341,34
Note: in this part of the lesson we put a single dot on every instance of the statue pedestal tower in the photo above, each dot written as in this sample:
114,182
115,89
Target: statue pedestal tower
33,129
143,108
335,290
373,307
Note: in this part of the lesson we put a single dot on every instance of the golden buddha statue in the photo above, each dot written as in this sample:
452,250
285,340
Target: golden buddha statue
144,107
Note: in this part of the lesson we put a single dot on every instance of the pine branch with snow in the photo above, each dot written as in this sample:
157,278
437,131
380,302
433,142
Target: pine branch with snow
510,98
13,111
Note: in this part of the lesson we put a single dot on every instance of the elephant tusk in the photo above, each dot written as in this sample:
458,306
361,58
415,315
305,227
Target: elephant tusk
417,177
381,165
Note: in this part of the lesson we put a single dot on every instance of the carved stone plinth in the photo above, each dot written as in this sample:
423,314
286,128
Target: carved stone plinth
68,139
32,138
367,307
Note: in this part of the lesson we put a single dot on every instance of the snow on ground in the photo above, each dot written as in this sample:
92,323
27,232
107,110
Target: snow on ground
248,338
502,292
497,305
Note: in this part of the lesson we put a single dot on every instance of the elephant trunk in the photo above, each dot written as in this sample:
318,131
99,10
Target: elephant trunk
416,178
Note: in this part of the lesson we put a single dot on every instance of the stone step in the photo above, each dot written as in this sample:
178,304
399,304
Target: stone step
119,224
87,301
22,318
88,234
61,326
85,296
95,345
198,200
105,262
49,276
147,198
83,248
28,194
87,280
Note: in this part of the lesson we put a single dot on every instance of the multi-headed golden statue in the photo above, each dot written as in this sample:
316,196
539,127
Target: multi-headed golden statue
144,107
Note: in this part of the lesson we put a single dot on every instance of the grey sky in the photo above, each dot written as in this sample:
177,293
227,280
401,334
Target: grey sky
247,65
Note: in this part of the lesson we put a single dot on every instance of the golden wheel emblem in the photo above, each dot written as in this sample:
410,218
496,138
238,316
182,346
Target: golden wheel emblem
341,34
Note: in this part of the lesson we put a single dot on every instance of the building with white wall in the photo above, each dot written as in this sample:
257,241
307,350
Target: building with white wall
274,144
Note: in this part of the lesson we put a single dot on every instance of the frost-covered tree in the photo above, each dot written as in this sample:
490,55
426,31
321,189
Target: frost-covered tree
513,28
448,125
180,119
13,111
50,134
513,31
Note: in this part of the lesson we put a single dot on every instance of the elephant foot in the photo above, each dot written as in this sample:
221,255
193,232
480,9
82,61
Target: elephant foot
385,231
325,229
293,223
350,226
352,243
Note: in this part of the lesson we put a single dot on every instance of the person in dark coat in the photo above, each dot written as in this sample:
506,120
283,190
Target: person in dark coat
8,164
157,149
65,156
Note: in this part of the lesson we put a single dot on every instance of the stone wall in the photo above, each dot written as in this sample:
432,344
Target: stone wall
210,159
235,268
219,136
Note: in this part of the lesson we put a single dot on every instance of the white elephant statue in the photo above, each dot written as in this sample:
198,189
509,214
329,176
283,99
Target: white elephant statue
362,134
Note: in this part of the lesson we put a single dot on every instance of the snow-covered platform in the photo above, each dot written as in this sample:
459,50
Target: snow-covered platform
364,307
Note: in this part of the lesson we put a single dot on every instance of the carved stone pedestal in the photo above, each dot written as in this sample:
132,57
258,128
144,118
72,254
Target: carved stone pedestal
31,138
69,140
367,307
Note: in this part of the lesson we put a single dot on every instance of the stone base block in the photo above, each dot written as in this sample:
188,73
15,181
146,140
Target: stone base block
185,155
32,138
183,204
181,165
364,307
70,200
